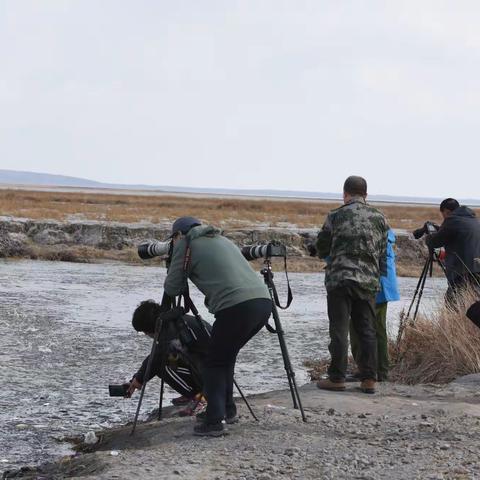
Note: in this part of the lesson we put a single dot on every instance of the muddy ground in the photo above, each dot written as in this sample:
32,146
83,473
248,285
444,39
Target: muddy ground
401,432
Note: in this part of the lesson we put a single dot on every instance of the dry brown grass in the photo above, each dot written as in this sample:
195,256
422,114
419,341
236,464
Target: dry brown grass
221,211
435,349
440,347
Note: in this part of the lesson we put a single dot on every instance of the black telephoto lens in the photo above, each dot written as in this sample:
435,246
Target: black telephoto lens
419,233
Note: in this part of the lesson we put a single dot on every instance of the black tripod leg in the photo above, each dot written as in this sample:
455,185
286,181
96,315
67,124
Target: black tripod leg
297,403
404,318
158,327
160,403
419,283
245,400
420,294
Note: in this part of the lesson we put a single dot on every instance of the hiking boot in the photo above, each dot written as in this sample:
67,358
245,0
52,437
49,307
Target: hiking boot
368,386
205,429
327,384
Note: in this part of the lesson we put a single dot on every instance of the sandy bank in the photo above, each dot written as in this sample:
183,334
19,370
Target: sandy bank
401,432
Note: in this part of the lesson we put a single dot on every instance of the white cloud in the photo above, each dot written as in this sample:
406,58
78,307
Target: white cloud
274,94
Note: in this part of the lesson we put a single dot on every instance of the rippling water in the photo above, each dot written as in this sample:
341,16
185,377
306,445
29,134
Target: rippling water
65,333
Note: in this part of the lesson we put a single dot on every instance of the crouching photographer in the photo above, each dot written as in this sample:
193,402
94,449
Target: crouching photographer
234,294
179,359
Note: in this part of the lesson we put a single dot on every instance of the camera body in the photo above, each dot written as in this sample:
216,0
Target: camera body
272,249
154,248
427,229
118,390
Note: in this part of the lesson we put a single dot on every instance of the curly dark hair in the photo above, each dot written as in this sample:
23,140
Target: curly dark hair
145,315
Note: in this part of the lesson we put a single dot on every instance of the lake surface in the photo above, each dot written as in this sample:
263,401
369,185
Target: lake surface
65,334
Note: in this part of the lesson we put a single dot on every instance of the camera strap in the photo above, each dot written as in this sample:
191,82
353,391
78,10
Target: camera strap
289,290
187,300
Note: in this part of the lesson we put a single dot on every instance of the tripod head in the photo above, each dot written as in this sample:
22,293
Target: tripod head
267,272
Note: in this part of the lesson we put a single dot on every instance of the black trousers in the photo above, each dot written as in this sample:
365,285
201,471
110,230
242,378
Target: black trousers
233,328
345,305
180,377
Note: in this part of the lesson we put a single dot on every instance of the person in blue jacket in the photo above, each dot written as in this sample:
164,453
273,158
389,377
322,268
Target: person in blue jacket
388,293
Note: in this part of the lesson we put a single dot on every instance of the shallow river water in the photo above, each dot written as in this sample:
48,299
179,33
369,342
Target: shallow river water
65,334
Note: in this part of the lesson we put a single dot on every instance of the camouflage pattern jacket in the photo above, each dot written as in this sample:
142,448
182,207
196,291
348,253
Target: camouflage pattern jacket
353,240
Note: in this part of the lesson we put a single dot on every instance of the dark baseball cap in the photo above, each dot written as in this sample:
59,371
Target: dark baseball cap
184,224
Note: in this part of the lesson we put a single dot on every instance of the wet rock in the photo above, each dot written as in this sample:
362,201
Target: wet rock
90,438
51,237
472,379
12,244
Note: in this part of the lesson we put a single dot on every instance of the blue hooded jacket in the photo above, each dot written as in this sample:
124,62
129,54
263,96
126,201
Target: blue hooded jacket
388,285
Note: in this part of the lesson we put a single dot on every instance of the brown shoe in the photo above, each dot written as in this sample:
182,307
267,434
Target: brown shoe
368,386
327,384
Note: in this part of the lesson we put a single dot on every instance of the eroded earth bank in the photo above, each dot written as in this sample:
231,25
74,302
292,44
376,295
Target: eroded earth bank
89,241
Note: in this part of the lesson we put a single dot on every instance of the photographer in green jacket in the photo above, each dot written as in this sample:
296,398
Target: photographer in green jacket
234,293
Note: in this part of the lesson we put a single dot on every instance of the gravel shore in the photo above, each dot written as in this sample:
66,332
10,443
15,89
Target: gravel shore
401,432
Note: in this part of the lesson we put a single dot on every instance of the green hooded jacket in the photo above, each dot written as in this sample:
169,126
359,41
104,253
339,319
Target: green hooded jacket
217,268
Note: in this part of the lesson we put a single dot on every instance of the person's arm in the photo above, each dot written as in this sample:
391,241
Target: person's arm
442,237
139,378
140,375
324,239
383,253
175,282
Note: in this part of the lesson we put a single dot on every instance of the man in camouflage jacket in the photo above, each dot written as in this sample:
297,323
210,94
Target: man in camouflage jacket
353,240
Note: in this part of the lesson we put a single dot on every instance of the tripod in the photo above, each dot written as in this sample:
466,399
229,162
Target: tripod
268,278
417,296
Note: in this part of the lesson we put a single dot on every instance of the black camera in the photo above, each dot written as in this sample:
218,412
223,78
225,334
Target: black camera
272,249
118,390
427,229
154,248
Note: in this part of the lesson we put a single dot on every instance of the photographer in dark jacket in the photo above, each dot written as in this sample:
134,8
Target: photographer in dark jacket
176,362
460,235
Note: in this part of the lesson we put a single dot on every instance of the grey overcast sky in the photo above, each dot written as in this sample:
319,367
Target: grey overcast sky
245,94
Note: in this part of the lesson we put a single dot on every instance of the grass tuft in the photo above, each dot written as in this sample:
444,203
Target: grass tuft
439,347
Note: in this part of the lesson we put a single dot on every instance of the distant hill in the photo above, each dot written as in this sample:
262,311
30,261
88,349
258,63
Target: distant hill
19,178
14,177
